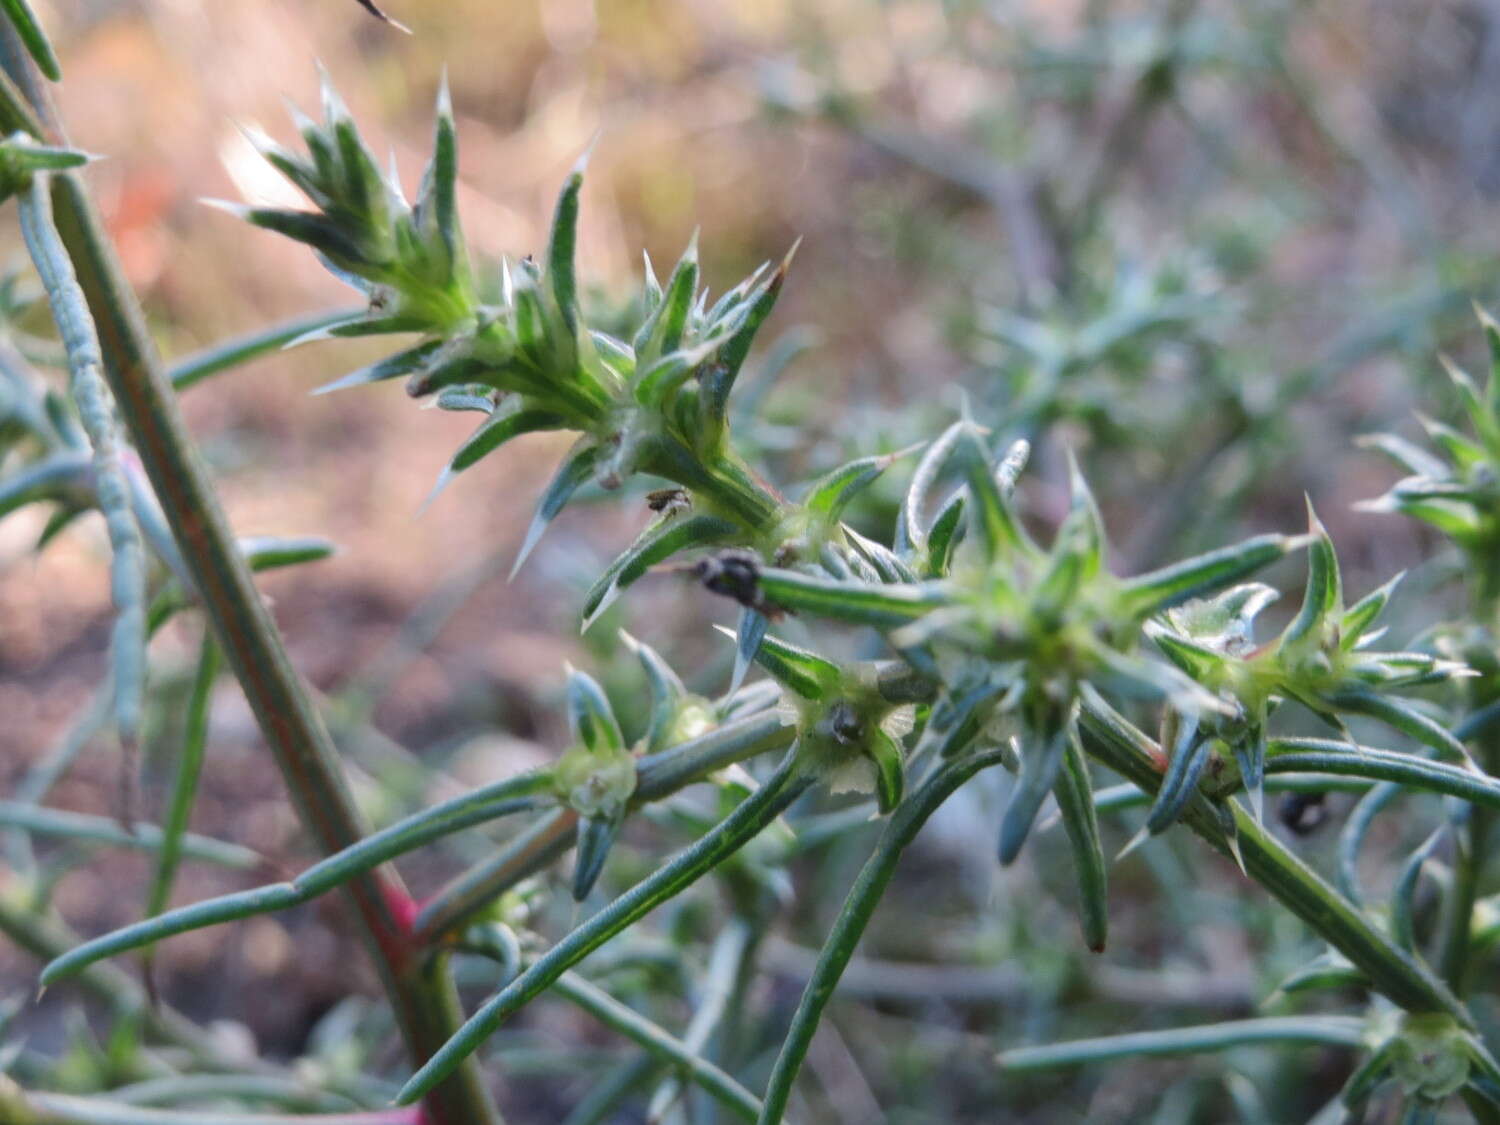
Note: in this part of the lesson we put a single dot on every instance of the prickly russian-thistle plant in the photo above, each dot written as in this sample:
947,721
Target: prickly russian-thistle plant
989,648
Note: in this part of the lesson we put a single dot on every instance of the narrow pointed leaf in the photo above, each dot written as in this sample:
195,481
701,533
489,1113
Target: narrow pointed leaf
830,494
1323,595
1402,716
1043,764
596,835
748,635
805,673
1344,1031
1180,783
510,421
667,537
1403,893
1152,592
562,250
856,603
29,30
890,770
1075,803
392,367
575,470
590,715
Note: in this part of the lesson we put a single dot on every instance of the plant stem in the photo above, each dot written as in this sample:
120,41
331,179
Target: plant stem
425,1007
18,1107
657,776
96,410
1109,737
747,821
850,925
669,1049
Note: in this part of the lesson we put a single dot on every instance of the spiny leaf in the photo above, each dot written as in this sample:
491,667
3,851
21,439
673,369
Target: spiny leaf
1403,927
1075,803
1180,783
662,331
748,635
1324,594
1156,590
392,367
911,534
575,470
667,691
998,528
669,536
883,607
596,835
1043,764
29,31
512,420
719,380
805,673
1403,717
590,714
890,767
1250,754
831,494
1365,612
562,247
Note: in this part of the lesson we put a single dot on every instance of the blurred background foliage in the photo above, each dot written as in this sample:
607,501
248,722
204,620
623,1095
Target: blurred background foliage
1203,244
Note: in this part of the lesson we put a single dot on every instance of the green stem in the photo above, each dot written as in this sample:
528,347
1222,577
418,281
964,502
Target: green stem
185,785
1474,838
105,830
1113,740
96,410
747,821
1335,1030
657,775
669,1049
18,1107
287,717
850,925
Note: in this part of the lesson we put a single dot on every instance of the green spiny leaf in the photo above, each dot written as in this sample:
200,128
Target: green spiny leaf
1075,803
590,715
574,471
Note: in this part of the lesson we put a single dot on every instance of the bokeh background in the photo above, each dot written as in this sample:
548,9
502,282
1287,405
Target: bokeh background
1202,244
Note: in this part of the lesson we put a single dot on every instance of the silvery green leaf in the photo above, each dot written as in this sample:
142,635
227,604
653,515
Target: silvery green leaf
911,532
1039,775
562,248
590,716
666,688
1364,613
662,330
1075,802
576,468
830,495
1180,783
890,767
29,30
1150,593
668,536
805,673
513,419
884,607
748,635
596,835
392,367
